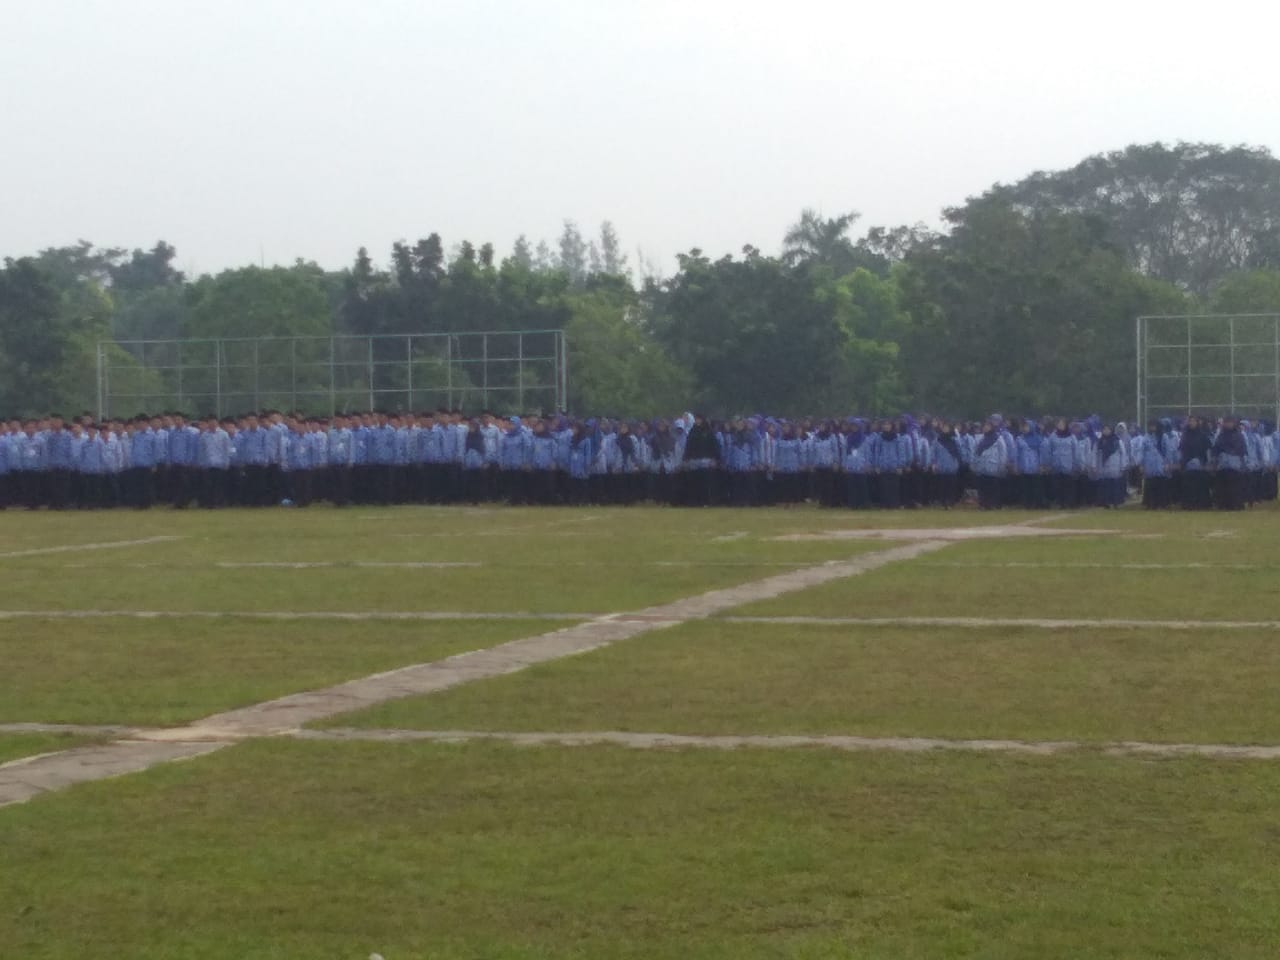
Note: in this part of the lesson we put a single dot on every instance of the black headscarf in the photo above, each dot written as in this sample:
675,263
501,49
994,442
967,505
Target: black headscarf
989,440
1230,442
1108,444
947,440
1195,444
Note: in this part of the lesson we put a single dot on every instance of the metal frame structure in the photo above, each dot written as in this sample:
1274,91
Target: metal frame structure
1208,364
505,370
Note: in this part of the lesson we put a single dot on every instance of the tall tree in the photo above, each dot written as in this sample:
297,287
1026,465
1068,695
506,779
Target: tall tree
1189,214
613,260
573,254
34,339
522,252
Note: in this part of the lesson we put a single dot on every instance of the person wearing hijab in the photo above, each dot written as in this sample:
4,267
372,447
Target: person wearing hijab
1110,461
1028,445
664,463
1061,456
1270,455
889,466
1194,491
701,464
1228,454
990,464
1156,447
944,472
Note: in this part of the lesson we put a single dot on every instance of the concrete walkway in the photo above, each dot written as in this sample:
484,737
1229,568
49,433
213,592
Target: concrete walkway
24,779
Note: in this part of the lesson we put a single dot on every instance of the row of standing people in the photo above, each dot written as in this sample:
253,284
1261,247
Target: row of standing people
445,457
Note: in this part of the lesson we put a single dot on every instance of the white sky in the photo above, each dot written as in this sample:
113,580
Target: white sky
306,128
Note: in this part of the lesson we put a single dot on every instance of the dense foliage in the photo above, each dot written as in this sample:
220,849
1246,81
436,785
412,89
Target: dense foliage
1025,299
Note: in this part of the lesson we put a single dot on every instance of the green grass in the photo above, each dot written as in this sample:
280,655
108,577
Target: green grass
728,678
14,746
529,560
289,850
284,849
125,671
1074,577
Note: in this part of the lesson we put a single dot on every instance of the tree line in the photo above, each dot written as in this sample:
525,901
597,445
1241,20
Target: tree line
1023,299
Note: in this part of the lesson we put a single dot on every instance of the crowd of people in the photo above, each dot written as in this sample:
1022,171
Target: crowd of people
445,457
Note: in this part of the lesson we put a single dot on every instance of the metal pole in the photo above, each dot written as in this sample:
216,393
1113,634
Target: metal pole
369,371
1137,351
333,392
102,373
564,371
448,367
1231,331
1188,323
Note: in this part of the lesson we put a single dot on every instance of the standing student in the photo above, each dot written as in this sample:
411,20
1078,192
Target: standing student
1228,453
700,462
215,457
1156,450
582,453
664,464
889,466
946,458
1194,480
990,465
1028,446
1063,455
1111,461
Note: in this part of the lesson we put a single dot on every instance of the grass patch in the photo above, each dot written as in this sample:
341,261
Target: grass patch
728,678
14,746
160,672
528,560
289,850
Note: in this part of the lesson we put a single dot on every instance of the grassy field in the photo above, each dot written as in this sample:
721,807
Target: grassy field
338,850
283,848
163,672
729,678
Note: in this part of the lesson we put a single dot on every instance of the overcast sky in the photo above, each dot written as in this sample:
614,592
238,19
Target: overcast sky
248,129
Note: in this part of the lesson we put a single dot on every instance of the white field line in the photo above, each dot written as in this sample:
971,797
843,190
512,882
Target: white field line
25,779
375,564
988,622
348,615
436,564
1120,565
74,547
650,741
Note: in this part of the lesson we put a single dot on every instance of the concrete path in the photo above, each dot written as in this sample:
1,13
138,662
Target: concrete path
24,779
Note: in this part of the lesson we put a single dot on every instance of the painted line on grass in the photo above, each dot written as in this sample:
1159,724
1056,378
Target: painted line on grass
313,564
654,741
74,547
286,714
347,615
964,534
1070,565
987,622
